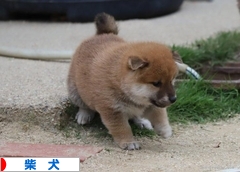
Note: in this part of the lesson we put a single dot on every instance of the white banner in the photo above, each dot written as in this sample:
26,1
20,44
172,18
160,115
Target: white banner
40,164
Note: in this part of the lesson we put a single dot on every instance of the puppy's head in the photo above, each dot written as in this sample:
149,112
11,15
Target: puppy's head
151,71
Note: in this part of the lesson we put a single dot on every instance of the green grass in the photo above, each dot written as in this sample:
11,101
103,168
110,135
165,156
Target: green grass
214,50
199,102
142,132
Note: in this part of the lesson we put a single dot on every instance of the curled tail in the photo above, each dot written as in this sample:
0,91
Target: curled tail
105,23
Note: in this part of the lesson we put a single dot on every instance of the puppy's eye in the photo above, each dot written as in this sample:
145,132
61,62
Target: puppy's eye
157,84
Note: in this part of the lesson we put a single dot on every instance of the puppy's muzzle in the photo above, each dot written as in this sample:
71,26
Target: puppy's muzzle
164,102
172,99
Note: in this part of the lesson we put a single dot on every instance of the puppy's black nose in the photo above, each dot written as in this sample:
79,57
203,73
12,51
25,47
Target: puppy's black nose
172,99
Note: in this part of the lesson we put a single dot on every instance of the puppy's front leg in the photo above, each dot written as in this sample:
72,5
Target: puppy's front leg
118,126
159,119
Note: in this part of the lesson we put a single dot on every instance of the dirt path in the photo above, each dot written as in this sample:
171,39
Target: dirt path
210,147
193,148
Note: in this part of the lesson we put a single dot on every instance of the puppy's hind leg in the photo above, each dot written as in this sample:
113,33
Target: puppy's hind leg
85,114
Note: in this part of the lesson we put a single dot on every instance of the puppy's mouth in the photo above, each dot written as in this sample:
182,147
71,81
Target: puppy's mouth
157,104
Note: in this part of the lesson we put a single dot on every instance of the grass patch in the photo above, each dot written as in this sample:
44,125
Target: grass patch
142,132
214,50
199,102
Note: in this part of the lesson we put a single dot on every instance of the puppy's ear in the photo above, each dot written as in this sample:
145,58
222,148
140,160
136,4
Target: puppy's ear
135,63
177,57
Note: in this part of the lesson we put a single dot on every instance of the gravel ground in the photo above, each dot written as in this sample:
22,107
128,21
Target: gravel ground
199,148
26,83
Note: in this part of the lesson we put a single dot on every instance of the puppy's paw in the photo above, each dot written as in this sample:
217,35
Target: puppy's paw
84,116
130,146
165,131
143,123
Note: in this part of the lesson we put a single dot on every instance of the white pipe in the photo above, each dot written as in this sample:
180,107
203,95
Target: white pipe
188,70
35,54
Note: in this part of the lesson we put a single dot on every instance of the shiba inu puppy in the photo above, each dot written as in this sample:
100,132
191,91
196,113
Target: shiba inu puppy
122,81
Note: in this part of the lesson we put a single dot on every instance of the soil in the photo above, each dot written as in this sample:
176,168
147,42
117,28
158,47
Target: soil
205,147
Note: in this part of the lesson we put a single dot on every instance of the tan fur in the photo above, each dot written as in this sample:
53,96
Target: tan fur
114,78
